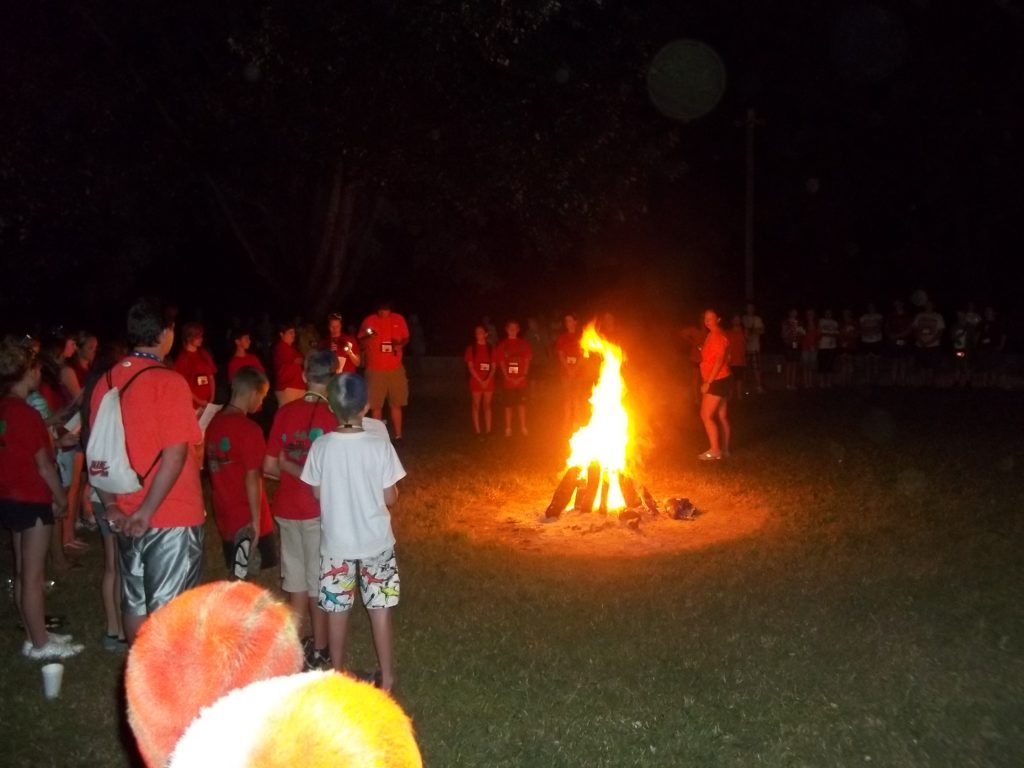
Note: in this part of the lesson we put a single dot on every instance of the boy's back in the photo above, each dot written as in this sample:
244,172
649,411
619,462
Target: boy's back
234,446
352,470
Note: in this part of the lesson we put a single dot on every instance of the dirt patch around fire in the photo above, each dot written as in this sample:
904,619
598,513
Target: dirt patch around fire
522,525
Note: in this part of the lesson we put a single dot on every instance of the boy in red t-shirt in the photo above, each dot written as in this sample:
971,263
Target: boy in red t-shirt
242,357
512,356
296,425
570,367
234,458
196,365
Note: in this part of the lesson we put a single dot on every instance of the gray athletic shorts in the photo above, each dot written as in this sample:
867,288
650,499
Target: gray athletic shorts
158,566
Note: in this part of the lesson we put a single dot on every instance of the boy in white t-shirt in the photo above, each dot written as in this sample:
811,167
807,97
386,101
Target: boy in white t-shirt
354,472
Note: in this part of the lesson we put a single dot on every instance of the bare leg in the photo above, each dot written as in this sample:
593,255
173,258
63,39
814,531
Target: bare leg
376,413
110,588
508,421
726,428
381,626
475,410
30,561
522,418
337,634
708,406
319,621
396,421
487,411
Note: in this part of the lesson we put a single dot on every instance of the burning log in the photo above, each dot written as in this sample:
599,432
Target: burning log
563,494
629,494
585,495
649,503
603,506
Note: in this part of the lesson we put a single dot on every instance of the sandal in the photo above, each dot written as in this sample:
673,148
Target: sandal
709,456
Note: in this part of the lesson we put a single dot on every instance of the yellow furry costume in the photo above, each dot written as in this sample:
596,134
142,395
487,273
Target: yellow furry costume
214,679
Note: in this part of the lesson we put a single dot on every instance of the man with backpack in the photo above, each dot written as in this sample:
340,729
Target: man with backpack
158,515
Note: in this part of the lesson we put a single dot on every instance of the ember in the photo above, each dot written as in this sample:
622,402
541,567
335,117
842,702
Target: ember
597,474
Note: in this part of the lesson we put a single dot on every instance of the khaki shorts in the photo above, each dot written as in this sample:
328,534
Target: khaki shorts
392,386
300,555
158,566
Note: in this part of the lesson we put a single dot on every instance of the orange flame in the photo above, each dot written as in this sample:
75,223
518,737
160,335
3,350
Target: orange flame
606,439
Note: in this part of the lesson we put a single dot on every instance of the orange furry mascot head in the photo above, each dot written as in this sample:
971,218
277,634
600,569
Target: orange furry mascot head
213,679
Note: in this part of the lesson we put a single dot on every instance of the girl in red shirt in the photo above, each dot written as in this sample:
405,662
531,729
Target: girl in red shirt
31,497
480,363
716,383
288,382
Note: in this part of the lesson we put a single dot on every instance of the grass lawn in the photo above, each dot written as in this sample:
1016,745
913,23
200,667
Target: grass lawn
851,595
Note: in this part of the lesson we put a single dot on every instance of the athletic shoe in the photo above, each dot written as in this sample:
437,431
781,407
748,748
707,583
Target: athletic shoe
114,643
52,650
709,456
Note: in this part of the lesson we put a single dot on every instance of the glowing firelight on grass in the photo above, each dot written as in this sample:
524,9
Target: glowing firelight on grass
605,441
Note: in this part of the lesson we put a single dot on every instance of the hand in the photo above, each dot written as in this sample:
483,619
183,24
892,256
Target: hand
705,387
60,508
68,440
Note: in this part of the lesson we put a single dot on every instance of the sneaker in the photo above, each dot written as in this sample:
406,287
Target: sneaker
53,638
318,660
52,650
709,456
114,643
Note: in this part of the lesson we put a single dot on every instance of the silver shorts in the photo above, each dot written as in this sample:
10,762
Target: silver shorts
158,566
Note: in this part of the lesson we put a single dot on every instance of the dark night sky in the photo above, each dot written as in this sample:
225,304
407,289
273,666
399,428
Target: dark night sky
505,160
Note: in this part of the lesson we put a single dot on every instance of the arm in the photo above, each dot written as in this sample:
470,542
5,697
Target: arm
254,495
171,464
271,466
70,381
47,471
390,495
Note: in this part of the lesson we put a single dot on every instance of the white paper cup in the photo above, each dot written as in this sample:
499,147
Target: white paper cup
53,675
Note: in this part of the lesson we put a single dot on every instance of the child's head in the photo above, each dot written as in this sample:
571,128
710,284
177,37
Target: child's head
347,397
320,367
242,339
248,388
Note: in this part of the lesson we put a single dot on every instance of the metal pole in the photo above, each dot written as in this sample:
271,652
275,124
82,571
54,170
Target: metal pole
748,245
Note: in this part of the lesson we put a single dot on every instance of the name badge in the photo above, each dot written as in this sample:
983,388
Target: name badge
202,381
385,346
485,366
513,369
570,361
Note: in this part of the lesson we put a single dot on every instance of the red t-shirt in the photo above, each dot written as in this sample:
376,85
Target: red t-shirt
198,369
381,353
567,345
296,426
737,346
248,359
234,446
513,357
481,358
157,413
80,371
337,346
716,346
287,367
22,434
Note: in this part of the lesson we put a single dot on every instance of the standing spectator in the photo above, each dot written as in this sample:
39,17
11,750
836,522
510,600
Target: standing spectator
341,344
928,328
754,326
715,388
196,365
991,342
809,349
513,356
160,527
537,337
828,342
492,331
31,497
961,337
899,332
693,339
479,359
384,335
792,338
849,335
288,383
297,512
871,323
234,457
242,358
354,473
81,361
572,374
738,354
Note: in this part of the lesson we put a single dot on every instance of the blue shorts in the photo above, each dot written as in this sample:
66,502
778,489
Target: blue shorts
158,566
377,577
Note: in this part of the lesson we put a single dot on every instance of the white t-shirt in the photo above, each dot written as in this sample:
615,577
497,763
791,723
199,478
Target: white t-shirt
754,327
928,327
871,327
352,470
829,329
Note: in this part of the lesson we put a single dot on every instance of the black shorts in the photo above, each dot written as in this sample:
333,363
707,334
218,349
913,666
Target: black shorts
826,360
871,347
720,387
22,515
929,358
791,353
